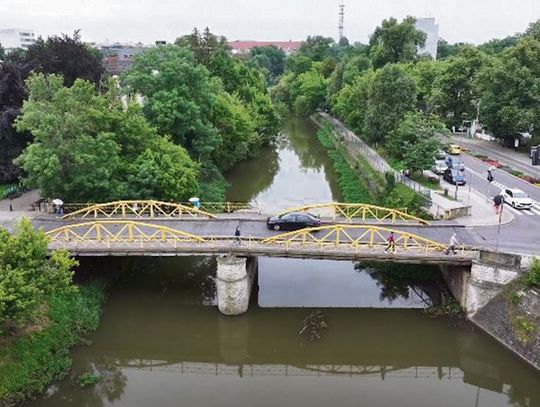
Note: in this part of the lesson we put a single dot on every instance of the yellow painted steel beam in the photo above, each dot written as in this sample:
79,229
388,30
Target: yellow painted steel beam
139,209
359,210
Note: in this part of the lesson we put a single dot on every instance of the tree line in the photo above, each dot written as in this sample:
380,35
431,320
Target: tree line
400,100
166,129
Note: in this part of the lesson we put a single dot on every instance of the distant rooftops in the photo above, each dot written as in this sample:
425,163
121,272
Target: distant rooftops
245,46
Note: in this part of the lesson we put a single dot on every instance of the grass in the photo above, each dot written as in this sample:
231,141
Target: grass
31,361
3,188
348,180
426,182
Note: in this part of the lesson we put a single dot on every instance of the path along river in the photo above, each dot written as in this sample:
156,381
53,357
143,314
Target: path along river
163,343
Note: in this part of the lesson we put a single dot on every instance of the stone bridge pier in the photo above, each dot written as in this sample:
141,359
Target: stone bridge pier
474,287
234,282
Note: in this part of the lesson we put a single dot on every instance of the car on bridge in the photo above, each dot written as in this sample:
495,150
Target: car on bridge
293,221
517,198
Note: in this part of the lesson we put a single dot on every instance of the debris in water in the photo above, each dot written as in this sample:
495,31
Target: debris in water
312,325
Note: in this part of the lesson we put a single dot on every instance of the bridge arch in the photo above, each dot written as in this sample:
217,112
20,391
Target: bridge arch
362,211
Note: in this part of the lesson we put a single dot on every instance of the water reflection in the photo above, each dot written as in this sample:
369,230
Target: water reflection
295,172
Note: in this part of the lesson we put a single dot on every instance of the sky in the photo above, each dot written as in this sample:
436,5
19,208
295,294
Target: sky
473,21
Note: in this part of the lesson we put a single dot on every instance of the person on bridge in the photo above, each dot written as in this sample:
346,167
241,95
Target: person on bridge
391,243
237,235
452,245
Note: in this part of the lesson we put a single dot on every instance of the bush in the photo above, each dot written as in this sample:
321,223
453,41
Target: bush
30,363
88,379
533,278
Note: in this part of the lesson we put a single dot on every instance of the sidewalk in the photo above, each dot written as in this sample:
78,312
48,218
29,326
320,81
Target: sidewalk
518,161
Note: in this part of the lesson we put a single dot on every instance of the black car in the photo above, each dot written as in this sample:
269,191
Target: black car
293,221
454,177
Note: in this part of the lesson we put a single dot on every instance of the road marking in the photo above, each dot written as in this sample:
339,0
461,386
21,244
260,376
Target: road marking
535,210
514,211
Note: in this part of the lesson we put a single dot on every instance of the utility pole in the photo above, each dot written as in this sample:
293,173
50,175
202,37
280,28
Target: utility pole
341,18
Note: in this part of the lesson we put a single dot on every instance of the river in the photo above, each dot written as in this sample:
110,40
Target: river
162,341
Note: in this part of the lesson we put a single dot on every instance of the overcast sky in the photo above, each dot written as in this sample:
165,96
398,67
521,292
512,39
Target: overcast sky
473,21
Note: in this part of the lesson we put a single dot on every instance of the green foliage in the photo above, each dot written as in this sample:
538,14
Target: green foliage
351,103
533,278
269,60
392,95
28,275
445,50
402,197
455,96
310,93
204,45
514,298
88,379
316,48
30,362
496,46
510,91
89,147
349,183
395,42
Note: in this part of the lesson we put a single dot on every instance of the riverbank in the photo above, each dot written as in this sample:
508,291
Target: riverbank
40,354
360,182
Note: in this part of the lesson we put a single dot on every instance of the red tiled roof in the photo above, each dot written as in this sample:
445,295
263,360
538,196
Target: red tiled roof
247,45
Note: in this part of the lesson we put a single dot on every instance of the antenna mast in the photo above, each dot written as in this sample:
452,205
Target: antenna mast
341,18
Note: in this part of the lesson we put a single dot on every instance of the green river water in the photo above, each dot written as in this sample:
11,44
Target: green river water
162,341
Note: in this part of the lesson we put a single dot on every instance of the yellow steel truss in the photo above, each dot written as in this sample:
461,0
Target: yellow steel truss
121,231
351,211
138,209
342,238
353,237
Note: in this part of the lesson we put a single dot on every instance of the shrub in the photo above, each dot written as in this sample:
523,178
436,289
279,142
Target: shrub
88,379
533,278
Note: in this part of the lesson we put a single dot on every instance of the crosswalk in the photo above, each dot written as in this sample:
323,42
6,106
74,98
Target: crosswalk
535,209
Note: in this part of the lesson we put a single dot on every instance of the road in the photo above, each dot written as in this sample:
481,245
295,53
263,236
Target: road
521,235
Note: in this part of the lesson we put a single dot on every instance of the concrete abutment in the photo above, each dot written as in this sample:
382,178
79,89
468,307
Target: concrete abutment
234,282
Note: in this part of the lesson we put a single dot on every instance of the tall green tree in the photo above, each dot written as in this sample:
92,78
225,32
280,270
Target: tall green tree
203,45
87,146
351,103
178,97
394,42
392,95
317,48
455,96
510,91
270,60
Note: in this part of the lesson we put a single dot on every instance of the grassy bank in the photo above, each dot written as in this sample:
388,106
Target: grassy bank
351,187
40,354
360,182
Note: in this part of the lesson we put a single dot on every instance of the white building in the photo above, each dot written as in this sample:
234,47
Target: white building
12,38
431,29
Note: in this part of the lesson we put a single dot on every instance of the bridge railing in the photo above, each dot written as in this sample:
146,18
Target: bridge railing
111,234
358,211
151,208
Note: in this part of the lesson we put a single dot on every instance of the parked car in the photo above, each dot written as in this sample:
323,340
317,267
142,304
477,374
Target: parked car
439,167
517,198
454,176
293,221
441,155
454,149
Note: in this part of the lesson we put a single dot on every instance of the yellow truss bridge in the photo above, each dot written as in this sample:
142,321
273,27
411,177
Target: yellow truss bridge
151,209
351,211
121,237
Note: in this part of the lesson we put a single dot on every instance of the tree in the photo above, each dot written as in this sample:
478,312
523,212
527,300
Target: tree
534,30
414,141
316,48
392,95
496,46
394,42
445,49
204,45
351,103
179,96
28,275
455,96
311,92
87,146
2,53
269,60
346,72
425,73
510,91
60,55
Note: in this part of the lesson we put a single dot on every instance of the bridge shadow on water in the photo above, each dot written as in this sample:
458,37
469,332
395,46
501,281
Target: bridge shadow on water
159,343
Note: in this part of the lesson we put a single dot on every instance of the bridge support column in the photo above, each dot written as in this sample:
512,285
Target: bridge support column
234,281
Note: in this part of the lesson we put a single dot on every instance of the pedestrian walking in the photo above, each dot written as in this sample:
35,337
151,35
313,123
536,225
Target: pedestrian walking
10,208
497,203
391,243
452,245
237,235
